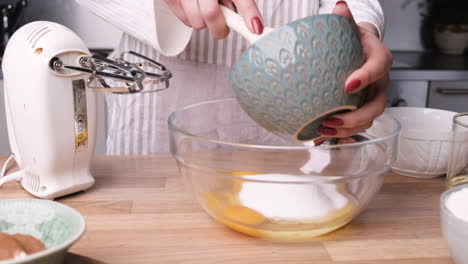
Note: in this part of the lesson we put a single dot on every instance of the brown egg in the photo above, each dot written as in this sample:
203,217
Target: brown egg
30,244
9,247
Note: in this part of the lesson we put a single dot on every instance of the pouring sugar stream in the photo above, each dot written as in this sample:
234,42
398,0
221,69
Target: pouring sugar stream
283,58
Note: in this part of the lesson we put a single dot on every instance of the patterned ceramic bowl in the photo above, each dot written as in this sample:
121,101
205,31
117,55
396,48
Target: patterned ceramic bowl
56,225
293,78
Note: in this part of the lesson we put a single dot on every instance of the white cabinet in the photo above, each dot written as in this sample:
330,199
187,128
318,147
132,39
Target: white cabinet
446,95
408,93
452,96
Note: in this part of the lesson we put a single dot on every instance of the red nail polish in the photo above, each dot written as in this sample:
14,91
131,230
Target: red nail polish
335,122
326,131
353,86
257,25
319,141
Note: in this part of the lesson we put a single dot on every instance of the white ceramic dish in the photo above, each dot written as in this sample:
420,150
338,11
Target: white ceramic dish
454,229
56,225
424,141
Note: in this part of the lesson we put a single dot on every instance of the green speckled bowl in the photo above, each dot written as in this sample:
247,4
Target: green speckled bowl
293,78
56,225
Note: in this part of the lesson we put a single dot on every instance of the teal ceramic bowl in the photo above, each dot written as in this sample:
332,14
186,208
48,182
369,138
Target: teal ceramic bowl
56,225
293,78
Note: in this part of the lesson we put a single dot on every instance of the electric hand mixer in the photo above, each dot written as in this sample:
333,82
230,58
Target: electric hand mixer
51,113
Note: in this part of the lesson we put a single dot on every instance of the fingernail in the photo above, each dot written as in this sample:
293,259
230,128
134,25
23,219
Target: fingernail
353,86
257,25
341,3
319,142
333,121
326,131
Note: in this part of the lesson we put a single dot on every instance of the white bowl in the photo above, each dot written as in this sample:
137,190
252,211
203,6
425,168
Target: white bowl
454,229
56,225
424,141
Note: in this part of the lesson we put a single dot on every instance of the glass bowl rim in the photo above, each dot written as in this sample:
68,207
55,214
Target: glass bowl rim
173,115
458,122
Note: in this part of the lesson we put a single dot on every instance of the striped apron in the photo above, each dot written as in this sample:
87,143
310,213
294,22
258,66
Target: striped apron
137,123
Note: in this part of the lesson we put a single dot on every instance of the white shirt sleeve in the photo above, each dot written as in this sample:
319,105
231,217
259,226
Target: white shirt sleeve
363,11
150,21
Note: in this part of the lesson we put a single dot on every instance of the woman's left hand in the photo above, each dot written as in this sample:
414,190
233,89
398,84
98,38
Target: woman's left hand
373,74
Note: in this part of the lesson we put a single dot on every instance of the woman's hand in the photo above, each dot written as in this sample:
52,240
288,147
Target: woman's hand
374,73
200,14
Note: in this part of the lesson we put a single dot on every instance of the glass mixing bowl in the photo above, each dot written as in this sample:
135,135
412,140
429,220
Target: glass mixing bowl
264,186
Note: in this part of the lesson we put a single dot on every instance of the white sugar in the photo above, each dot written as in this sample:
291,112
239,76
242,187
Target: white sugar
292,201
319,159
19,255
457,203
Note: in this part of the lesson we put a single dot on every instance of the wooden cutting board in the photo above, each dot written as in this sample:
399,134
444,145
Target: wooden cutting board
140,212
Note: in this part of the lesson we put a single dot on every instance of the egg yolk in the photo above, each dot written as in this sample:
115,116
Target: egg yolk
227,214
243,215
226,208
240,228
243,173
213,203
237,184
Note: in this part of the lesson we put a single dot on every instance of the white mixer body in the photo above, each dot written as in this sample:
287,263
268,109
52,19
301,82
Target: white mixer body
51,117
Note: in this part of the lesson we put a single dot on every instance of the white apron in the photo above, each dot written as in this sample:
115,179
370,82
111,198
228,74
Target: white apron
137,123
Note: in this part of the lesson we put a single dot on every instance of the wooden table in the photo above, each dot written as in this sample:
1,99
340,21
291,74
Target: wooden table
139,212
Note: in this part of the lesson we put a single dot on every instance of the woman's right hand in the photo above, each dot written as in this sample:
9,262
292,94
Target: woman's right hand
200,14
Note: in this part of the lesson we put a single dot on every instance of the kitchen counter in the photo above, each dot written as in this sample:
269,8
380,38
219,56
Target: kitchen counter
426,66
139,212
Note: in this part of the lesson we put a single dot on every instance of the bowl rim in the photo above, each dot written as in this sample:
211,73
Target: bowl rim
425,132
458,122
394,133
397,110
418,108
415,174
443,207
278,30
56,249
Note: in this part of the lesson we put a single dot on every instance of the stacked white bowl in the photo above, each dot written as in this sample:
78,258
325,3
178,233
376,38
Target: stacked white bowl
424,141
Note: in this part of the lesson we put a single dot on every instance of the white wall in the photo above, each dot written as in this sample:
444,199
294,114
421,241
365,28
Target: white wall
402,26
95,32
